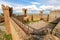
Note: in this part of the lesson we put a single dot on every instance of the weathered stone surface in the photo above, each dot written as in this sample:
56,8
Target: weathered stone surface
50,37
54,15
38,25
56,30
41,29
7,13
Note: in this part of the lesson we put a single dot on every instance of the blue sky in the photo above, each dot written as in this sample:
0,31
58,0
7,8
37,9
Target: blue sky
31,5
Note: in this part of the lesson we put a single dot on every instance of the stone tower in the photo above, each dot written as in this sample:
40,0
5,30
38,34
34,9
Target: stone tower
41,13
7,13
24,12
48,17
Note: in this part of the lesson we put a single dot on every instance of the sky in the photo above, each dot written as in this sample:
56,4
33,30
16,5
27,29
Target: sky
33,6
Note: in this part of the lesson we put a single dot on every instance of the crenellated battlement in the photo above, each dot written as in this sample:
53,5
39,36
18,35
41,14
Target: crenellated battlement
20,31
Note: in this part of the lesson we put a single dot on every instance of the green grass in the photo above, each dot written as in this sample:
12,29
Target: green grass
3,36
27,22
7,37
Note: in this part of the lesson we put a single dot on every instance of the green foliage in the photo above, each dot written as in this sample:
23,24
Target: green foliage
7,37
4,36
27,22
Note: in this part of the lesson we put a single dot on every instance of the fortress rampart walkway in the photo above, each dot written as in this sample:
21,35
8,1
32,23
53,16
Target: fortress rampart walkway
17,29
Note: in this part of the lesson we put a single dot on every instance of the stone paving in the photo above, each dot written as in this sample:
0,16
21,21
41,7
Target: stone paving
38,25
42,33
56,30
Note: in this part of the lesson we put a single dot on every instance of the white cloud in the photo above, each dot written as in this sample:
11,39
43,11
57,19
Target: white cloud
44,7
31,7
18,7
35,3
0,6
57,7
53,1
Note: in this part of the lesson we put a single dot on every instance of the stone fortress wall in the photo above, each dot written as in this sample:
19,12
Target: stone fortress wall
32,17
48,17
54,15
17,29
13,26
